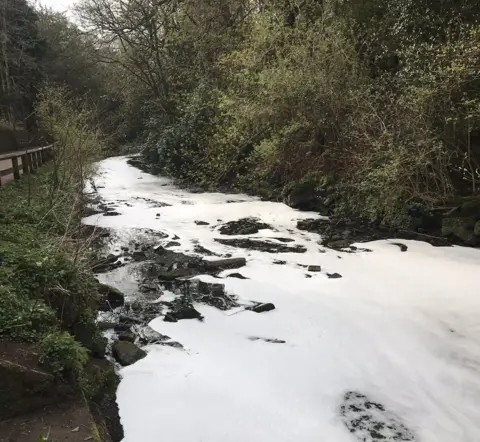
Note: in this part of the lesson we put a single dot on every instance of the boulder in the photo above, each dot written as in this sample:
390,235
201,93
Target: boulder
334,275
223,264
313,268
126,353
202,223
110,297
244,226
127,336
91,338
307,194
183,312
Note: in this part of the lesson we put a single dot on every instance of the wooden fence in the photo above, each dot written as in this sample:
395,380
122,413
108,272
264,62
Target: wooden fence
14,164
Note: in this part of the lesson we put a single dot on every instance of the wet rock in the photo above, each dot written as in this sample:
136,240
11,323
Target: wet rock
261,308
120,328
184,312
263,246
403,247
173,344
285,239
244,226
105,263
105,325
90,338
129,320
210,288
110,297
147,335
171,275
279,262
202,223
139,255
334,275
224,264
127,336
314,268
237,275
313,225
126,353
172,244
369,421
339,244
307,194
203,251
112,213
308,276
271,341
124,248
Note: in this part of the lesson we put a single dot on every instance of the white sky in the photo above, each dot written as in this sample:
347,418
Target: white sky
58,5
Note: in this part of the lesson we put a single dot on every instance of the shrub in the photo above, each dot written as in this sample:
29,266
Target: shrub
62,354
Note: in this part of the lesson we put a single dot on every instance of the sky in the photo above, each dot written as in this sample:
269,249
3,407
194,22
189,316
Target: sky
58,5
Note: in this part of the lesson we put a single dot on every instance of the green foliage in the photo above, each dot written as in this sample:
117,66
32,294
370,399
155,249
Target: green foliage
62,354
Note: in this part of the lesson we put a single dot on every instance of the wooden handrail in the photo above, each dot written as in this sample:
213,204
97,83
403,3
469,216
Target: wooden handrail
18,153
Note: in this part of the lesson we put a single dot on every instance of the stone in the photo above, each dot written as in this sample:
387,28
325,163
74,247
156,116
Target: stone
261,308
105,325
223,264
244,226
403,247
187,313
138,255
110,297
89,336
112,213
127,336
202,223
237,275
211,288
172,244
314,268
471,208
370,421
126,353
263,246
334,275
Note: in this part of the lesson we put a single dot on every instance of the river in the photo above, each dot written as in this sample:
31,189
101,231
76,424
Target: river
387,350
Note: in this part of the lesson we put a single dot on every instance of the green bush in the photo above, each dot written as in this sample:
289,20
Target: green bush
62,354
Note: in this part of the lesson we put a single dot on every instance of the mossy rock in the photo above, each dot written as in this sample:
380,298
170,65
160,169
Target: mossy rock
309,193
110,297
470,208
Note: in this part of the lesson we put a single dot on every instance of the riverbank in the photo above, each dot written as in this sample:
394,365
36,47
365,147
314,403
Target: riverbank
292,338
56,382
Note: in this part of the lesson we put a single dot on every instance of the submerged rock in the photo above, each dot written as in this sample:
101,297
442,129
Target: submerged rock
223,264
126,353
263,246
244,226
369,421
334,275
183,312
314,268
202,223
237,275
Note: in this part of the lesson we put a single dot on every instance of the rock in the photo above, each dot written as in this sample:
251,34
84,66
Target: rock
127,336
172,244
237,275
148,335
138,255
105,325
157,215
313,225
403,247
120,328
260,308
188,313
313,268
223,264
126,353
279,262
202,223
112,213
89,336
263,246
308,276
111,297
340,244
210,288
203,251
170,317
124,248
244,226
105,263
129,320
284,239
271,341
171,275
462,229
334,275
369,421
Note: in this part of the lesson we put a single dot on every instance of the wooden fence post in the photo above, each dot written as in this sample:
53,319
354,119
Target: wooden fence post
16,169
